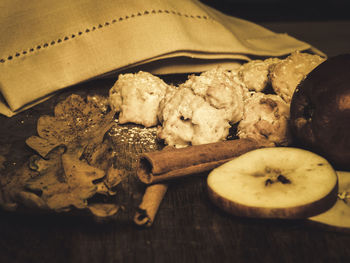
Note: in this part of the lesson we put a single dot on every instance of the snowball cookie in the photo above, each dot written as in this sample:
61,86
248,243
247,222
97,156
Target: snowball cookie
287,74
222,89
255,73
201,109
265,119
136,97
187,119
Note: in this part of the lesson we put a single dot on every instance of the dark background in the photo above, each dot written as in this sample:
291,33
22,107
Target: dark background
283,10
324,24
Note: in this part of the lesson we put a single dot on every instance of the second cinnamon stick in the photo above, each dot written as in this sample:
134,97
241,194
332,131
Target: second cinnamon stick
166,165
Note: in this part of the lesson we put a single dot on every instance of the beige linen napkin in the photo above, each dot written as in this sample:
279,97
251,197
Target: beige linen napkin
48,45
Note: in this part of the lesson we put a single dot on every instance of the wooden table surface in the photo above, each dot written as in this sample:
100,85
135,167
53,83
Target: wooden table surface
188,228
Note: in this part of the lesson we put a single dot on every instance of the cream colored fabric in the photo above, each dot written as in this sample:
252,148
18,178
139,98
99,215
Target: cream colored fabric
47,45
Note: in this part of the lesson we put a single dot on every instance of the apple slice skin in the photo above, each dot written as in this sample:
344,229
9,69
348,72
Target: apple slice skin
338,217
291,212
297,212
320,111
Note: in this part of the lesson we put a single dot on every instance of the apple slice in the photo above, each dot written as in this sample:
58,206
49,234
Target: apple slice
339,215
277,182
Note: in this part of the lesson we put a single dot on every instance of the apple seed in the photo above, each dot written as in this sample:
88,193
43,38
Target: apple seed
284,180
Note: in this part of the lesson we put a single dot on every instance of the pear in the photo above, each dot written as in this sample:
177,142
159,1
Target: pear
276,182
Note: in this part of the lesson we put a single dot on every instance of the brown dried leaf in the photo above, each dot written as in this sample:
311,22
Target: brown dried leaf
76,123
113,178
75,168
12,185
30,200
100,155
71,186
103,210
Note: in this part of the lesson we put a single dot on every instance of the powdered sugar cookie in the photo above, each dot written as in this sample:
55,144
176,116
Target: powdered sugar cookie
137,97
288,73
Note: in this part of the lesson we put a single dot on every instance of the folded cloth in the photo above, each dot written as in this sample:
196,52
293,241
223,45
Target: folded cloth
48,45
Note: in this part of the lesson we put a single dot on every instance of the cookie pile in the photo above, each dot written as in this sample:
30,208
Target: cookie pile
255,97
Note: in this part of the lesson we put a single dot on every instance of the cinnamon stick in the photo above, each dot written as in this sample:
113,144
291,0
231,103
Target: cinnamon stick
150,203
161,166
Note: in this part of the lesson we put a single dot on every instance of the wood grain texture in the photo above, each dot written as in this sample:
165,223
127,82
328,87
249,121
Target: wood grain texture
188,228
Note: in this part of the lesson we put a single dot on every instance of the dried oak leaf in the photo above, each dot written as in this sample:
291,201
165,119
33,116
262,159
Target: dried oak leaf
75,163
13,192
59,183
103,210
11,187
71,186
76,123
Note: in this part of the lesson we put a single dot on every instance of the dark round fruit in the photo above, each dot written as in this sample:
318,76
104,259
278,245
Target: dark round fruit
320,111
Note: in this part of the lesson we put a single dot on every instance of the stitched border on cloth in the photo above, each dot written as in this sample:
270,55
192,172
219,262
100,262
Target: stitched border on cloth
93,28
